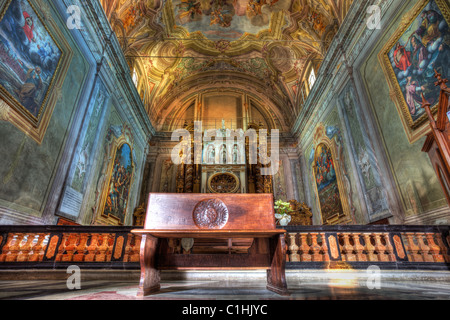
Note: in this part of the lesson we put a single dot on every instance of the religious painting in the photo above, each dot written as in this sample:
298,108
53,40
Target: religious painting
327,183
226,19
29,59
119,185
420,47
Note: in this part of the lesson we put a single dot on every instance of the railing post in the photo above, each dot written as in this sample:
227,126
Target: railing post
379,248
412,248
25,248
92,248
348,248
370,249
293,248
435,250
389,247
79,256
326,255
14,249
304,248
359,248
315,248
424,249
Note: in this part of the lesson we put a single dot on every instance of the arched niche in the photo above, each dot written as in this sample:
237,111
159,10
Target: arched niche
203,106
116,190
329,185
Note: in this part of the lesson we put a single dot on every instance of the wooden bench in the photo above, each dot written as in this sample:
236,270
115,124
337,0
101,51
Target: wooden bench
220,220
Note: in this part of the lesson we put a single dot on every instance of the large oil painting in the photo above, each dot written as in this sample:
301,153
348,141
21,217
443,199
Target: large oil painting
120,183
29,58
418,49
327,183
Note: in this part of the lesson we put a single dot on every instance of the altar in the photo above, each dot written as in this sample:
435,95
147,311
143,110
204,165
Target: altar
224,167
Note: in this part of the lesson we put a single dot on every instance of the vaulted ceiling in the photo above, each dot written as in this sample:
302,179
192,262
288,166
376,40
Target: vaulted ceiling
262,47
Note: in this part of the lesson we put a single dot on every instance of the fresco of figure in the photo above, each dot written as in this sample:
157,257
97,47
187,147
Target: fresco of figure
423,48
28,56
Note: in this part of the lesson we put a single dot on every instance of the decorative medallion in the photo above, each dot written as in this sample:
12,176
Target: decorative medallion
225,182
210,214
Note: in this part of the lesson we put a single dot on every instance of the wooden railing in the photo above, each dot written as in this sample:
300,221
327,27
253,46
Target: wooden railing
308,247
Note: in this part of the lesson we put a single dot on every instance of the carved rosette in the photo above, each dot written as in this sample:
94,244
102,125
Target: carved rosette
210,214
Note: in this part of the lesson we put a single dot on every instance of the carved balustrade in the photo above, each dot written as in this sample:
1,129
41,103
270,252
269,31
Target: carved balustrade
394,247
60,246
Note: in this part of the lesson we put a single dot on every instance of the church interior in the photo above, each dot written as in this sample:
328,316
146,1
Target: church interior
330,118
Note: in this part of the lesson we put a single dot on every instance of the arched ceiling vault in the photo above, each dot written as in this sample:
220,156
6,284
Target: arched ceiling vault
263,47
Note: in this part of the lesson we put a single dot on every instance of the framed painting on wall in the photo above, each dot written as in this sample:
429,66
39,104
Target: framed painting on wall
120,181
328,182
33,64
419,47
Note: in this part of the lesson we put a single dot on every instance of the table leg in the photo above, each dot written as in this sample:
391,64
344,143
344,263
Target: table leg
150,275
276,278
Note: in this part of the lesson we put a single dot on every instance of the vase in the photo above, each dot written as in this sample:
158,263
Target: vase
284,221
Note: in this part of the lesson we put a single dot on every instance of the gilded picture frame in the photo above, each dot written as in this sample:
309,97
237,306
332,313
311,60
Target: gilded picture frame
320,138
408,60
34,60
105,217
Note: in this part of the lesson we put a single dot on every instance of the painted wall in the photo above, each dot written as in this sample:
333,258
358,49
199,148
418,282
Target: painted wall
115,128
333,126
414,176
68,174
27,169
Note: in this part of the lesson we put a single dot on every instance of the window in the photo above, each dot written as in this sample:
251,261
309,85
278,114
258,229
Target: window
312,78
135,77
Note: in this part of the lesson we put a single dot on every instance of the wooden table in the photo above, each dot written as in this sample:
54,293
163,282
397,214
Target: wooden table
216,224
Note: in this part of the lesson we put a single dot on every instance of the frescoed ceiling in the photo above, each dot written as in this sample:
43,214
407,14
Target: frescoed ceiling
265,46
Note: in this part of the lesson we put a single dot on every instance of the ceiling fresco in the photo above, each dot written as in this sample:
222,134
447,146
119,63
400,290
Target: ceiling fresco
226,19
177,46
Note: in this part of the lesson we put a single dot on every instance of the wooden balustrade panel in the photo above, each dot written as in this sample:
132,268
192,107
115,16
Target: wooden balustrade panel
123,247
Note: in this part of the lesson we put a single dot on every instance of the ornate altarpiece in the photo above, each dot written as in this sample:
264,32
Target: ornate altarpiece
105,215
328,182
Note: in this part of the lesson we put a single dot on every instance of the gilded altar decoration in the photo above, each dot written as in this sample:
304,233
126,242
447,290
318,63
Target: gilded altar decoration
139,215
301,214
210,214
32,64
225,182
420,45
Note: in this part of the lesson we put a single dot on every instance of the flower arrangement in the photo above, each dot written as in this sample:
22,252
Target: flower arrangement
282,210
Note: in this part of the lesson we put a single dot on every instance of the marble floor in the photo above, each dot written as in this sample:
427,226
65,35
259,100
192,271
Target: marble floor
302,286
